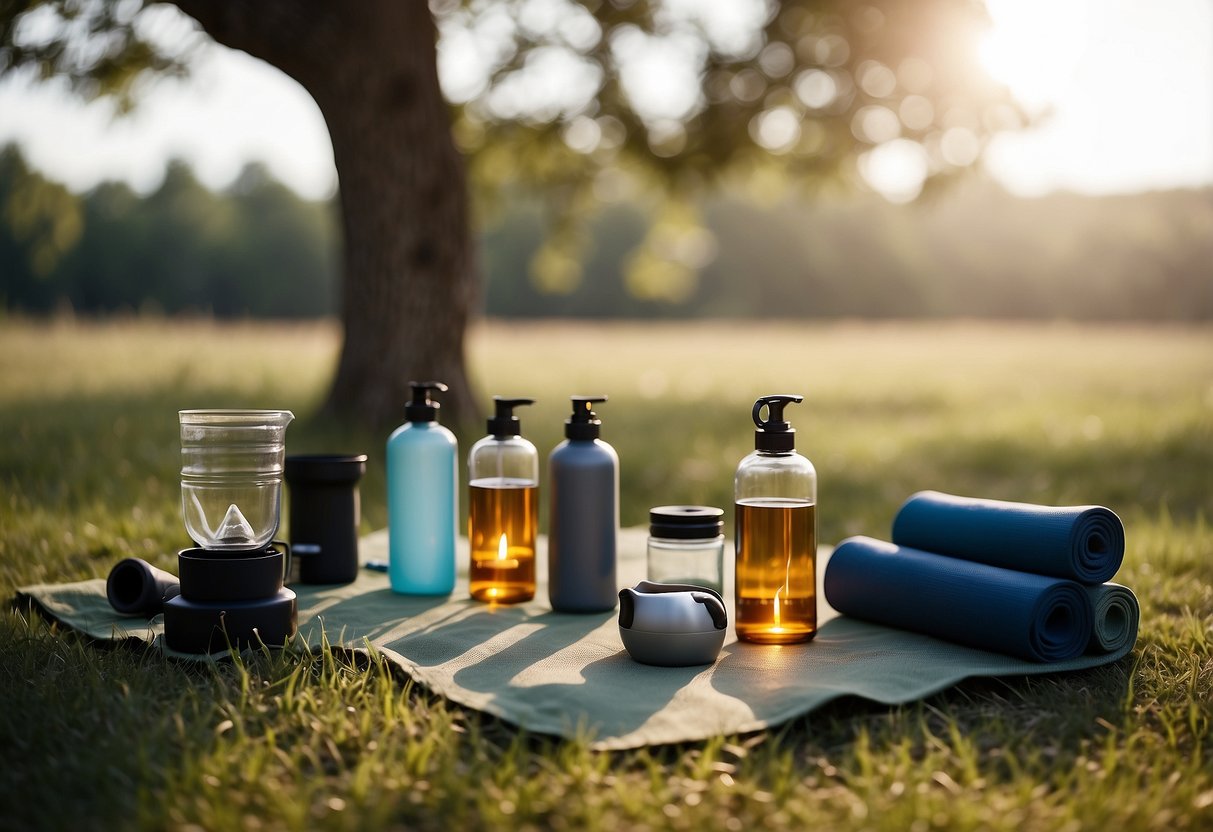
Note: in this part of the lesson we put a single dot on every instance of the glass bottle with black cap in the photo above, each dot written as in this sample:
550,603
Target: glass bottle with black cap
775,497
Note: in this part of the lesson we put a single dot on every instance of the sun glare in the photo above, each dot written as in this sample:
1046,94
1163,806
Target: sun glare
1124,92
1033,47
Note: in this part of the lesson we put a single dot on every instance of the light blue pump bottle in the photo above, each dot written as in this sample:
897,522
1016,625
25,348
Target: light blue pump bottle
422,496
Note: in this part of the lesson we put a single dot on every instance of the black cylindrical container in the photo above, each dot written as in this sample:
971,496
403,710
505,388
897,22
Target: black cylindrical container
325,513
209,579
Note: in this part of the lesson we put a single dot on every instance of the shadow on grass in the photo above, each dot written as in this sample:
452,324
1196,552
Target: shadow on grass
89,733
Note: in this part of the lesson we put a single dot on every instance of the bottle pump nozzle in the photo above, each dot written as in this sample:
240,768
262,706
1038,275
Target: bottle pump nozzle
774,434
422,408
504,423
584,423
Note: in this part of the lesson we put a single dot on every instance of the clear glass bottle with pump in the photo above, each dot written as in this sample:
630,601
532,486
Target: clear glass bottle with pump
503,510
775,494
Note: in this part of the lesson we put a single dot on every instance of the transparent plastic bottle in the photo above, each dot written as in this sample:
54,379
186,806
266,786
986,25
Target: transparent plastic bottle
423,498
503,510
775,534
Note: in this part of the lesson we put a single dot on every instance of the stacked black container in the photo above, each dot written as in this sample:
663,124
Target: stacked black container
234,600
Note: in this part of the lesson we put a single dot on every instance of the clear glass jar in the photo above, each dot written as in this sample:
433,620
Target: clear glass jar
231,476
686,546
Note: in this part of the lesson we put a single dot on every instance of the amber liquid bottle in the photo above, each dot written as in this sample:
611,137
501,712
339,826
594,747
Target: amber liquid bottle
503,518
503,510
775,534
776,570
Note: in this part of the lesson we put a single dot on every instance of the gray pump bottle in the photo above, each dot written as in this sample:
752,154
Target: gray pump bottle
583,481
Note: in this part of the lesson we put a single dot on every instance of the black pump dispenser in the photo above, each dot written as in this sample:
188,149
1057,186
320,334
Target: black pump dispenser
775,434
584,423
422,408
504,423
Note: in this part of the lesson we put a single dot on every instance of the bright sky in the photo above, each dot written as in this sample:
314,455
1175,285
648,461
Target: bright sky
1129,84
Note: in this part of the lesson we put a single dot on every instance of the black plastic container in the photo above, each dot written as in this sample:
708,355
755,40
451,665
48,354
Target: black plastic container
208,578
325,513
231,600
212,627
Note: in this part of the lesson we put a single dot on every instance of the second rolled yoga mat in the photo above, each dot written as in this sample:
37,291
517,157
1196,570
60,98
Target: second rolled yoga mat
1031,616
1117,615
1083,543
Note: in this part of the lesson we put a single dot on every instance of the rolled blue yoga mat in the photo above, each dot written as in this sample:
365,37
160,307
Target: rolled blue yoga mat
1117,614
1083,543
1031,616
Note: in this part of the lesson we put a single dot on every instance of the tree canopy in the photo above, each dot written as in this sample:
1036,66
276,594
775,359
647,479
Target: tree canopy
676,97
585,98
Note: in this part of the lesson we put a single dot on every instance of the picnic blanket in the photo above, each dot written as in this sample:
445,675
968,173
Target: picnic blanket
568,675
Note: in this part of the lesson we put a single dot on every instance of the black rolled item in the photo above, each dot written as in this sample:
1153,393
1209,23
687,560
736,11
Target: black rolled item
210,578
1034,617
1082,543
135,587
212,627
325,512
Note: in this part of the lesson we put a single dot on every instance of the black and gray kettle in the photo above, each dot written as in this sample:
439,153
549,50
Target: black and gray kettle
675,625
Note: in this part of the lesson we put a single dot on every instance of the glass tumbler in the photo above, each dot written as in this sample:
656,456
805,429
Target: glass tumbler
231,476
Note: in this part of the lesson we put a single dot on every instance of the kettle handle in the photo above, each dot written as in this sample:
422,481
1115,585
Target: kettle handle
654,588
715,608
627,607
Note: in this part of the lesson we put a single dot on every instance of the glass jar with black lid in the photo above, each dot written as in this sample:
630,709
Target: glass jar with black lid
686,546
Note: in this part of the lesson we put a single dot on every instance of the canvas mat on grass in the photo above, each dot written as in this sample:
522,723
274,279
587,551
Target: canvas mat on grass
569,675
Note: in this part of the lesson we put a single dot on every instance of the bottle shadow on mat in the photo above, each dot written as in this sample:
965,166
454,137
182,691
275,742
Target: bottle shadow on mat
369,615
548,634
617,697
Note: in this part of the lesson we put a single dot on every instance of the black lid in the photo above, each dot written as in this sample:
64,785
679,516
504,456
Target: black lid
324,469
504,423
774,434
421,408
686,522
584,423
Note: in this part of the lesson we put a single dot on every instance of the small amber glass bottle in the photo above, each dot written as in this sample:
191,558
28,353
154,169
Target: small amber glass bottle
503,510
775,534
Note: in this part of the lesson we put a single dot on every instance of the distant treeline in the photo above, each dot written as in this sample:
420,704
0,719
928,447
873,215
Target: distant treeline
256,249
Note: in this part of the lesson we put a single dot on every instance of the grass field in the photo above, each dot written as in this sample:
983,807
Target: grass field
1121,416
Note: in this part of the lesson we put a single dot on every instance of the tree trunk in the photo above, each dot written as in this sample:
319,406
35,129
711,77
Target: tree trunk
409,273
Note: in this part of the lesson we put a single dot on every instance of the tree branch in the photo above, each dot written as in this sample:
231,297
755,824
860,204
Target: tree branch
289,34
